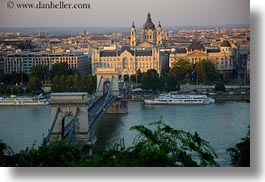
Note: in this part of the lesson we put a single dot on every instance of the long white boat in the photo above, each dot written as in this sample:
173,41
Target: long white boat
22,101
169,99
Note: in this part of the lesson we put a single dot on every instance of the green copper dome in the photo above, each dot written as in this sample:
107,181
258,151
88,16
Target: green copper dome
149,24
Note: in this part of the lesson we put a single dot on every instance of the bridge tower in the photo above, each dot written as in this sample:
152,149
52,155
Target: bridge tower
69,116
107,77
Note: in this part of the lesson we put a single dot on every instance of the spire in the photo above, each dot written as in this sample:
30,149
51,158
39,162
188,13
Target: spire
133,25
159,25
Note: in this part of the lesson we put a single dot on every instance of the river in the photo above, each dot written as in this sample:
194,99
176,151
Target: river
223,124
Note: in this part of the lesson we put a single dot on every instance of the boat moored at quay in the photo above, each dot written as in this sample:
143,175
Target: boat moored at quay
23,101
169,99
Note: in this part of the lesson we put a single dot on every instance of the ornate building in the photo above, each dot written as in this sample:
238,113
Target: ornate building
150,36
143,55
127,60
224,56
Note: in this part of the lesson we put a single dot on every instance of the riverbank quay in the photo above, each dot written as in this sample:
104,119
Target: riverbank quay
217,97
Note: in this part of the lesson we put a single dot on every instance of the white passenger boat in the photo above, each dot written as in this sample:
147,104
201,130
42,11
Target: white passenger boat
21,101
168,99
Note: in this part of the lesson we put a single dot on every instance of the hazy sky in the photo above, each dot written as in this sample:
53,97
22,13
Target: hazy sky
121,13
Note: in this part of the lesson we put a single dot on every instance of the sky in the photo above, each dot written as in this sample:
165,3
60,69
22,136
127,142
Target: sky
121,13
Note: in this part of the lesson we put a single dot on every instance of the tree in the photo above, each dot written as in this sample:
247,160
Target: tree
5,155
162,147
240,154
177,74
181,69
69,83
150,80
138,76
62,69
205,70
34,84
40,71
15,78
56,84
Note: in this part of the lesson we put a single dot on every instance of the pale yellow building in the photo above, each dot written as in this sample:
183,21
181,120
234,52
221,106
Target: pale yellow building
127,60
143,54
224,56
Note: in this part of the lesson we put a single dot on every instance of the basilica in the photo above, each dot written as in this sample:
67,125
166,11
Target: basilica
140,55
150,36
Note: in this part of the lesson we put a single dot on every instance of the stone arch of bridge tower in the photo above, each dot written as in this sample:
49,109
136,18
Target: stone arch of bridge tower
105,75
66,119
65,105
106,86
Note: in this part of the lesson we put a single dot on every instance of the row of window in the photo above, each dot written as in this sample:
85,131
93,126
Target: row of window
41,58
149,58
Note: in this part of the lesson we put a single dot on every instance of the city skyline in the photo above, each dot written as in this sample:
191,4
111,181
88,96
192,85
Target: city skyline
116,13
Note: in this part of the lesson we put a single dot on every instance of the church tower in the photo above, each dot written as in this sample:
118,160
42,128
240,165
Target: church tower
159,35
133,35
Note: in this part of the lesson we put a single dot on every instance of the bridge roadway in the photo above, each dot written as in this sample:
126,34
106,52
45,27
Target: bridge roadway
97,109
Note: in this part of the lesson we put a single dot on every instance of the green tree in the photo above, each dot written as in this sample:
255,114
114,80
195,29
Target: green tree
34,84
56,84
76,83
62,69
57,154
162,147
40,71
181,69
177,74
69,83
138,76
205,70
150,80
15,78
240,154
6,155
62,83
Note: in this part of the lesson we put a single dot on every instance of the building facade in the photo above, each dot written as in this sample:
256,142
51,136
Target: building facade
140,55
127,60
22,62
224,56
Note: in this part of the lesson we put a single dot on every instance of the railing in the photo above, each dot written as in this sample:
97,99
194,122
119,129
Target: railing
95,115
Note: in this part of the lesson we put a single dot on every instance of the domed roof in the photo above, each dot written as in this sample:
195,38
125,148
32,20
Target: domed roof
149,24
225,44
196,46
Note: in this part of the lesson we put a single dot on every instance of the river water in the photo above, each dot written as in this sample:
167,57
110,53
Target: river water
223,124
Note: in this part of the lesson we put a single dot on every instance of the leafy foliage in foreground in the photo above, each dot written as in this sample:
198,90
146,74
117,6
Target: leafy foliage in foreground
162,147
240,154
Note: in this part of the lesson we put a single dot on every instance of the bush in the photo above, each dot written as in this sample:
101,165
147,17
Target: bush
240,154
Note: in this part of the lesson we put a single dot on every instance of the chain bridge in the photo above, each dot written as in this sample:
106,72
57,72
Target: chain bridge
76,116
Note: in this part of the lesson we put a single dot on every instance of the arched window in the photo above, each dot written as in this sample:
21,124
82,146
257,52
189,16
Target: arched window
125,63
